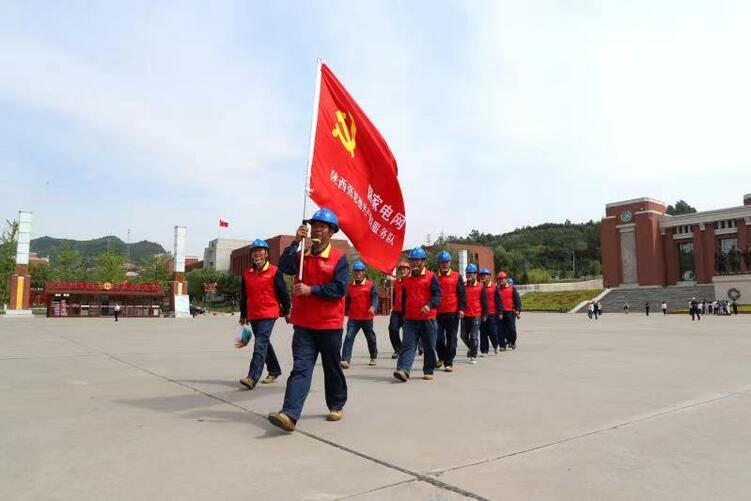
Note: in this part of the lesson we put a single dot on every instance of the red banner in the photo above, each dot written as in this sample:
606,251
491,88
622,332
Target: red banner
52,287
354,174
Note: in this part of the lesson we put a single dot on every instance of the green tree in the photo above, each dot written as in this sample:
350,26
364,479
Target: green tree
538,276
229,288
196,279
39,275
156,269
681,207
110,267
8,242
66,265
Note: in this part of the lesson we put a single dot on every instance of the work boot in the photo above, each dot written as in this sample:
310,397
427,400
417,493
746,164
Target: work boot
345,364
334,415
372,362
269,379
439,364
248,383
401,375
281,420
449,368
427,377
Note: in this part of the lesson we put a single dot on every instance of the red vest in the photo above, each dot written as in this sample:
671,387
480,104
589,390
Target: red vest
398,286
315,312
490,298
474,306
449,297
507,297
418,295
359,300
261,299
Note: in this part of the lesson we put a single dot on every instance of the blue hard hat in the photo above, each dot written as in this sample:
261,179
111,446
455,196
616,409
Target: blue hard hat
484,271
510,281
471,268
325,216
418,253
444,256
359,266
258,243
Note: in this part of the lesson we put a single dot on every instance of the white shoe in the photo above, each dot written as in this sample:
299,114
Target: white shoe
472,360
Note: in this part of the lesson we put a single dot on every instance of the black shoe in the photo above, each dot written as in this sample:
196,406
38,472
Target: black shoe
395,356
512,346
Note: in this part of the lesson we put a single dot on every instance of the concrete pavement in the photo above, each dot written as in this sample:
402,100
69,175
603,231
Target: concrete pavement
627,407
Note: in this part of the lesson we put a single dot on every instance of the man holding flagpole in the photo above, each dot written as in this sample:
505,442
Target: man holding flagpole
352,172
318,318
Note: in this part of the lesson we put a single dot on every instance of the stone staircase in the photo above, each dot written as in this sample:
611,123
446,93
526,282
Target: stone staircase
676,297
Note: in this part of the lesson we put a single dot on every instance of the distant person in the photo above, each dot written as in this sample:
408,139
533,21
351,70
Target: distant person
476,307
489,324
626,307
510,306
360,306
646,308
591,310
263,299
735,307
598,307
450,311
117,311
695,309
664,307
422,295
396,321
595,309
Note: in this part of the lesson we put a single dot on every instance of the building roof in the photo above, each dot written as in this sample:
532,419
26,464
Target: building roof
708,216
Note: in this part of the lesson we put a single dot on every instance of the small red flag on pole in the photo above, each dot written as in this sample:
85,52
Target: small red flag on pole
353,173
223,224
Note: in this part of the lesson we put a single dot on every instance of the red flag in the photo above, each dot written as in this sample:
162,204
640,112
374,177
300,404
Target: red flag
354,174
223,224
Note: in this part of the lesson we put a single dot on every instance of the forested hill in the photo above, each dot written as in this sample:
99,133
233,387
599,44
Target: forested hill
551,248
91,249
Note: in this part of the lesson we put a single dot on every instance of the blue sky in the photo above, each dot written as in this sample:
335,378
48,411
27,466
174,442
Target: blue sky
144,115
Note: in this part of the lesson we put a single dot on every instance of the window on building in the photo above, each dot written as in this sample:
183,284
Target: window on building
727,257
683,229
686,261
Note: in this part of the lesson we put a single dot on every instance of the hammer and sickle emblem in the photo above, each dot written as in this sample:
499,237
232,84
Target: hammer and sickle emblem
345,135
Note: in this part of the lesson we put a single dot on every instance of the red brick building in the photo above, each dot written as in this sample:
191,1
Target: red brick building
481,255
644,246
240,258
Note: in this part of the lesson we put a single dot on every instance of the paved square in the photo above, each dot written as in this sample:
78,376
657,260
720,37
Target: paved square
627,407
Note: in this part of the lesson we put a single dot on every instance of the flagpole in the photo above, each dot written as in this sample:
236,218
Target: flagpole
309,165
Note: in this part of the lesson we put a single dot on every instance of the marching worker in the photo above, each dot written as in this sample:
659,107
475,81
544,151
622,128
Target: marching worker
510,305
263,298
396,320
475,308
421,295
361,305
317,316
450,311
489,325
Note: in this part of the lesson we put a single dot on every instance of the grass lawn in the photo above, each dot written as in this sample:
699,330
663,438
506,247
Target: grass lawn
561,301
